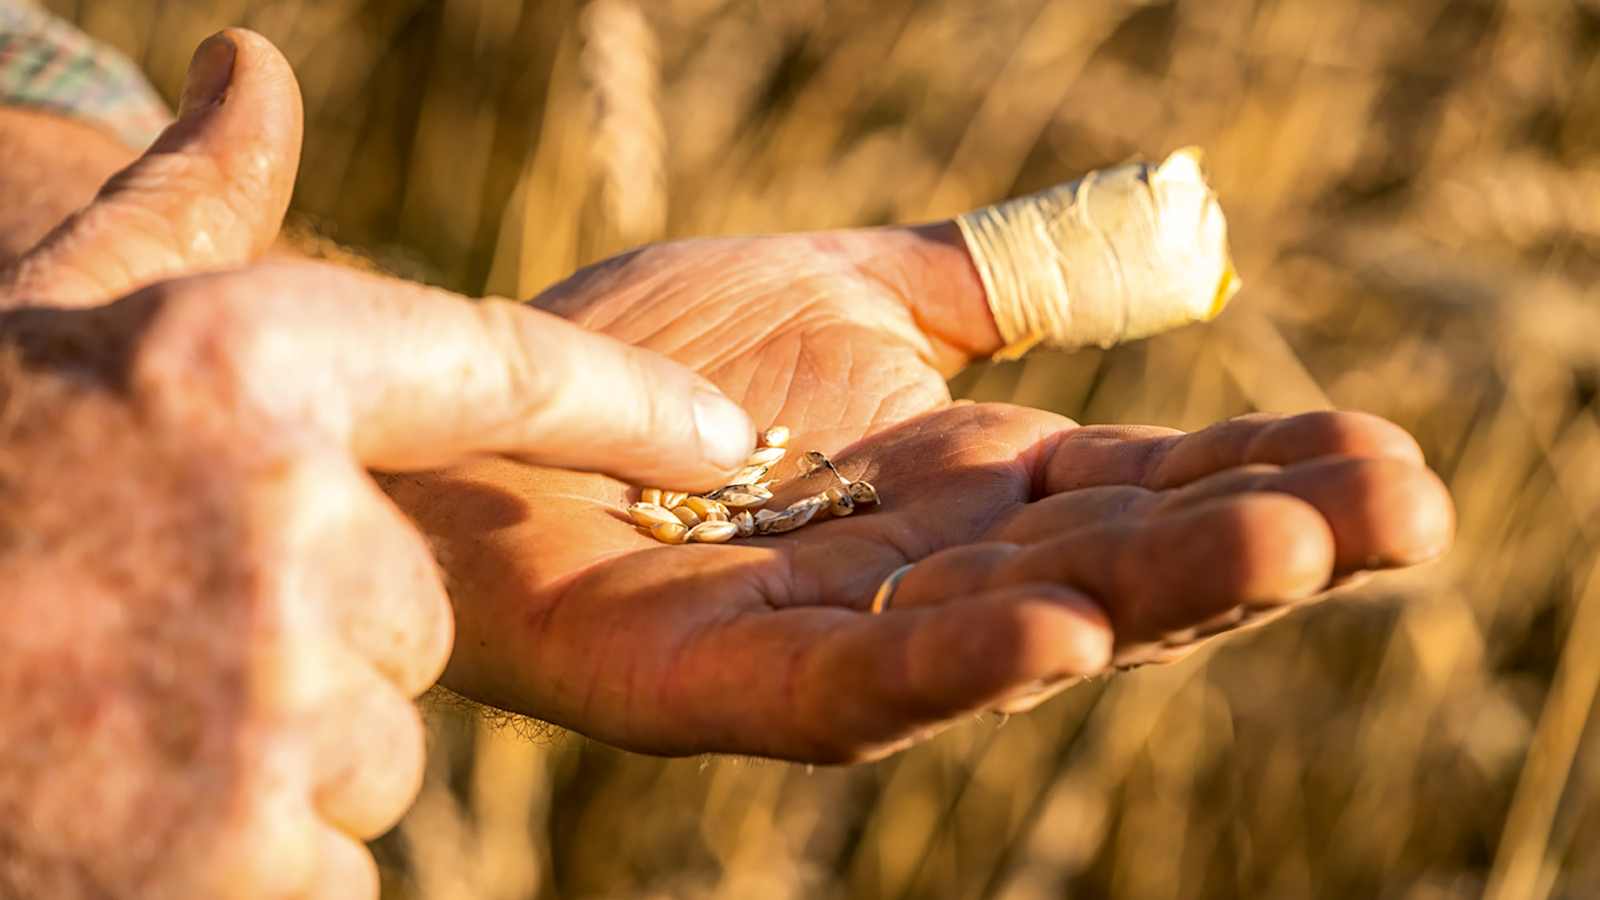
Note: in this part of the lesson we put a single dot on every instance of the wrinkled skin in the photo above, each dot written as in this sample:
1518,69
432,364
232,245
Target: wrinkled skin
212,622
201,693
1045,550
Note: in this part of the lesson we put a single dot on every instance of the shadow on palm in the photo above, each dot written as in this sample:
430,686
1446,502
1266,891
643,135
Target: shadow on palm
688,648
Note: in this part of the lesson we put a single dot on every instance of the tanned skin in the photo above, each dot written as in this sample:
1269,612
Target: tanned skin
211,618
171,662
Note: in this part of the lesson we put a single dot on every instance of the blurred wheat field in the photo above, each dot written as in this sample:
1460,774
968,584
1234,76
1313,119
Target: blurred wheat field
1414,190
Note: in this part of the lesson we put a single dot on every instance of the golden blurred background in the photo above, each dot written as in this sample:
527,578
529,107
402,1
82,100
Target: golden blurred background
1414,189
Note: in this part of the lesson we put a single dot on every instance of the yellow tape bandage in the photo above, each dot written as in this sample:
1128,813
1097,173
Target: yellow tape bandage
1120,254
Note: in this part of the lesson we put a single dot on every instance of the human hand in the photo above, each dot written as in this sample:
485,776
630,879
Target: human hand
1044,551
212,621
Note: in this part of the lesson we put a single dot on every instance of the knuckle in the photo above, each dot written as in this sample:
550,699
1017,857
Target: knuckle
271,846
438,640
346,870
407,631
388,605
193,337
395,748
372,758
304,507
411,642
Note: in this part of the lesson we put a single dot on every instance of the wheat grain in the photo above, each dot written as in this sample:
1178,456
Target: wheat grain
651,514
840,503
749,475
736,509
669,532
863,493
707,510
713,533
742,496
766,456
798,514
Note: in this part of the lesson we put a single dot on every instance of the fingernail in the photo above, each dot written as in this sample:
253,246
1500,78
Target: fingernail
210,73
726,433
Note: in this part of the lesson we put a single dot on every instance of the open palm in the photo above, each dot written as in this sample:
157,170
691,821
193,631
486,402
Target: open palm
1044,550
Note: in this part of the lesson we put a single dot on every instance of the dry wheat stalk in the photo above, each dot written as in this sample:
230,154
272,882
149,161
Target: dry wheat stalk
620,59
737,509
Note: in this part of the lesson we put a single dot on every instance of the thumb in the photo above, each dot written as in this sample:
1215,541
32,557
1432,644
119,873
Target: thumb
210,193
410,377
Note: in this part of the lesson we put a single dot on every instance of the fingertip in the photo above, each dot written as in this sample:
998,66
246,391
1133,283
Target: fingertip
1384,512
590,402
259,63
673,428
725,432
1083,638
1439,524
1409,517
1009,637
210,72
1330,433
241,106
1288,547
237,64
1254,547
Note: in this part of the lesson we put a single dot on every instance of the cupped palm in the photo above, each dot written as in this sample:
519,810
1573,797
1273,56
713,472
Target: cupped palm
1045,550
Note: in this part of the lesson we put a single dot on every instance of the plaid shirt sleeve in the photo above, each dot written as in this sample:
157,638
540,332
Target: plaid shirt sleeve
48,64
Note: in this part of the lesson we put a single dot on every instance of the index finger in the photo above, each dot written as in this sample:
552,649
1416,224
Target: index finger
411,377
